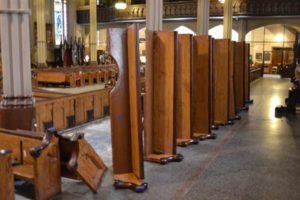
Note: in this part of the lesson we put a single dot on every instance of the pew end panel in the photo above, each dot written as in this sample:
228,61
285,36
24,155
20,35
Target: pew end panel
125,111
159,116
202,88
6,178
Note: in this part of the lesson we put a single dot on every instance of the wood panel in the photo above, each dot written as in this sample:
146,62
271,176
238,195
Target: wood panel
247,73
160,135
125,109
239,75
221,80
201,86
183,88
232,96
6,178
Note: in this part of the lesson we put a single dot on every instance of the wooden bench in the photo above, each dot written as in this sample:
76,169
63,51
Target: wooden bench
6,178
35,159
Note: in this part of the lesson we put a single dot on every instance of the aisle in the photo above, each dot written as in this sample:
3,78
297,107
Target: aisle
257,158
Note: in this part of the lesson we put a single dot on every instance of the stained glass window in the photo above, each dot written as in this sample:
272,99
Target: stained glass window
60,20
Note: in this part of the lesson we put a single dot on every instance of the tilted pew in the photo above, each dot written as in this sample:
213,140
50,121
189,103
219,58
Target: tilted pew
221,81
36,159
80,161
183,92
125,111
159,129
202,88
6,176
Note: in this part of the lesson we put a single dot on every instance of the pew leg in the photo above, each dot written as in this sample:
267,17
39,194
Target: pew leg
201,137
230,122
251,101
237,118
246,108
130,181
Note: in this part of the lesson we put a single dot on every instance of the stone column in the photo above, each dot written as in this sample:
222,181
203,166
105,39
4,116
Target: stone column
93,31
203,7
17,104
154,15
242,30
41,32
228,11
72,9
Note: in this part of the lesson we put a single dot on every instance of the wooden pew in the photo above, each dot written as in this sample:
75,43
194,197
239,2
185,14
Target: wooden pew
212,95
125,111
6,176
232,113
183,92
36,159
202,88
221,81
160,135
247,74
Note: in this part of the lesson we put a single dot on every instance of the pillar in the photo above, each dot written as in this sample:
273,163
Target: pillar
203,7
17,104
154,15
228,11
41,33
242,30
72,9
93,31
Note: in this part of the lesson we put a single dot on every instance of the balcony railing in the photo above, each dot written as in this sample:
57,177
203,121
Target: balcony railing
189,10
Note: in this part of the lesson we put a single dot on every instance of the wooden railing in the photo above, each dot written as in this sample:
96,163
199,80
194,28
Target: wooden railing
189,10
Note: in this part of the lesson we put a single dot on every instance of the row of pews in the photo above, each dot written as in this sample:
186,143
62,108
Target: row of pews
75,76
192,84
64,111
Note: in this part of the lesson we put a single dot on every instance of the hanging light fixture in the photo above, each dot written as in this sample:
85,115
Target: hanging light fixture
120,5
221,1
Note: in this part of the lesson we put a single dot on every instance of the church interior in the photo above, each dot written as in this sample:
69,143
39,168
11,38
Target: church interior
149,99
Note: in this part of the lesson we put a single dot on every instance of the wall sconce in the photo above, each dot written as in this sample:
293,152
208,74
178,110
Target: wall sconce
120,5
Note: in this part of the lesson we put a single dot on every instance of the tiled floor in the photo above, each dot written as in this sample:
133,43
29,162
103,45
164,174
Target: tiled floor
257,158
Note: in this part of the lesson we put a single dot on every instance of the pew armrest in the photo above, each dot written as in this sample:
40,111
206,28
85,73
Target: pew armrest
72,137
35,152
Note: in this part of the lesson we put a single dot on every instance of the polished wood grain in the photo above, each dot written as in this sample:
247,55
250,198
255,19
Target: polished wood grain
39,163
221,80
183,89
201,86
247,72
232,95
125,105
239,74
6,178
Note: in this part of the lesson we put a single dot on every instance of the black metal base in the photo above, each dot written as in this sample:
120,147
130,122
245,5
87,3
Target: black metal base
125,185
237,118
176,158
210,136
246,108
214,127
282,110
187,143
251,101
230,122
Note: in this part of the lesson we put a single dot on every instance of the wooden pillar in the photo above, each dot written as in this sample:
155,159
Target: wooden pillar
227,19
203,17
154,15
6,178
17,104
41,33
93,31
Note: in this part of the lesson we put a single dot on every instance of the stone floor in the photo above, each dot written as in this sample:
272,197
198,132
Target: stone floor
257,158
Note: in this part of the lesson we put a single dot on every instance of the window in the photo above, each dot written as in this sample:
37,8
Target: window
60,20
